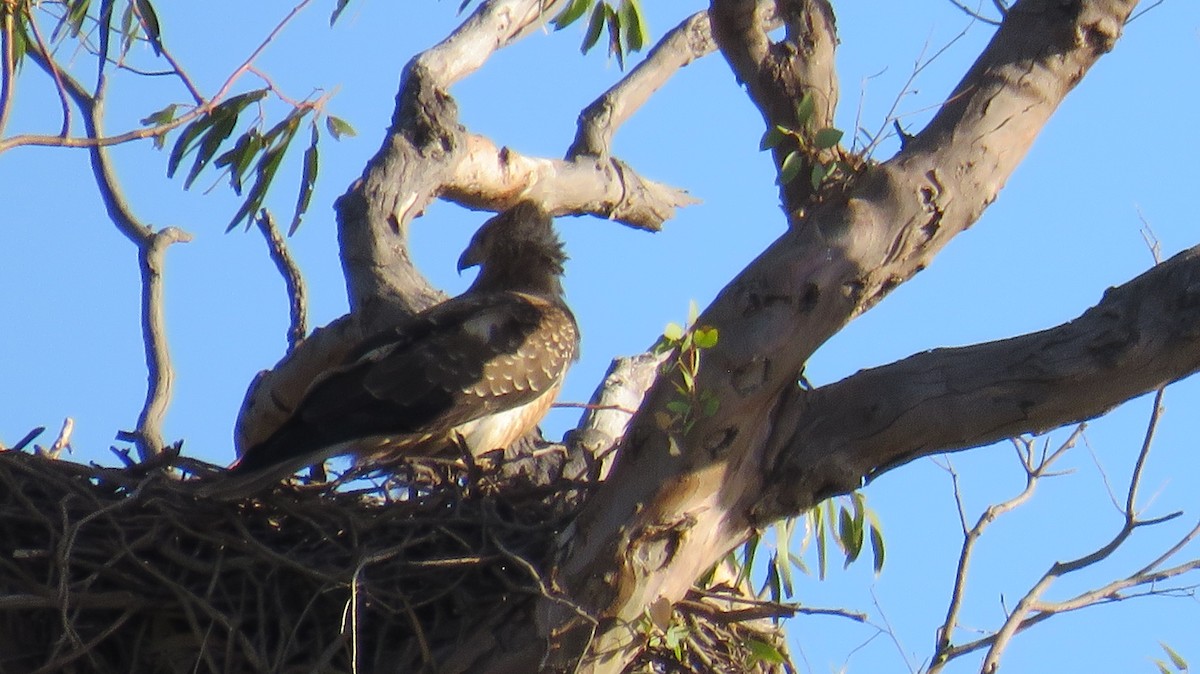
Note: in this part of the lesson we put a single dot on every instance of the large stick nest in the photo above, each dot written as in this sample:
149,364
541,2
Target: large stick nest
126,570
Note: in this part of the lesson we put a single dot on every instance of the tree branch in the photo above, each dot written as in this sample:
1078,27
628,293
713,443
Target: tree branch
692,39
778,75
491,178
151,247
1141,336
1033,474
675,502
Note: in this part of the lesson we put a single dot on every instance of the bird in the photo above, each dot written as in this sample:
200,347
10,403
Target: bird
478,371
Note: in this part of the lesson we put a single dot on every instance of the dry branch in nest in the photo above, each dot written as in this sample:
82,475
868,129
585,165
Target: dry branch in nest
122,570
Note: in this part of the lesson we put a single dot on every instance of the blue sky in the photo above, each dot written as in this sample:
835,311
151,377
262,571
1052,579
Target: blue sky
1066,227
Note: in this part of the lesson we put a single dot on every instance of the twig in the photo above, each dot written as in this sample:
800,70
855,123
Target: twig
943,649
977,15
29,437
1031,602
63,441
292,279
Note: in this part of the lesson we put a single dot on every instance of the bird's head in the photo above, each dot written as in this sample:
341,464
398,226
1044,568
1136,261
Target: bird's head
516,250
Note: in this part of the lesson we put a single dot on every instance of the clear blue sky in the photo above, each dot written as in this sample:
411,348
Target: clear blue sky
1065,228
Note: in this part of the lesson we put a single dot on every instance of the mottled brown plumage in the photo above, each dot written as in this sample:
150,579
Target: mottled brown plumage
483,367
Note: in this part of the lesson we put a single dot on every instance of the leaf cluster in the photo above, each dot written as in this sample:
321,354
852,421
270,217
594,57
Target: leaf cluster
625,22
138,22
257,150
687,342
812,145
846,522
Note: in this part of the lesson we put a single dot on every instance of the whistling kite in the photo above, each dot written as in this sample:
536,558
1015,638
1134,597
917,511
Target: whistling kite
481,368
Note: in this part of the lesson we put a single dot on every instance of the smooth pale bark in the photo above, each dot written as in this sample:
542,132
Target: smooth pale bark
670,508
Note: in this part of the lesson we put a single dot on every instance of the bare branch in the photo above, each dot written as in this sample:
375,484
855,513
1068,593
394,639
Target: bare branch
690,40
1140,337
151,246
497,179
1033,473
292,279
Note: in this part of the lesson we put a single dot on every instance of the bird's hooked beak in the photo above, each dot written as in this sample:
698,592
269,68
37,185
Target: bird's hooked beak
471,257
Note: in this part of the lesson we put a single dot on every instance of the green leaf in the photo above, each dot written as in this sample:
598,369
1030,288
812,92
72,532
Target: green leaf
819,532
1162,666
128,34
851,536
571,14
191,132
183,145
633,21
877,548
238,158
74,18
615,47
595,24
792,164
307,179
1176,658
678,407
761,651
710,405
693,312
785,573
268,164
149,21
337,11
20,42
805,108
220,130
673,332
749,551
827,138
339,127
771,137
161,117
705,338
689,379
772,583
820,173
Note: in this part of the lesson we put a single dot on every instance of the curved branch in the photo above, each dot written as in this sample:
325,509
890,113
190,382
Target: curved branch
690,40
151,247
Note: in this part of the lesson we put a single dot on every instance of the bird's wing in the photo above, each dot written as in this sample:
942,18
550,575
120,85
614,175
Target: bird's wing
468,357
